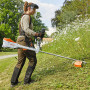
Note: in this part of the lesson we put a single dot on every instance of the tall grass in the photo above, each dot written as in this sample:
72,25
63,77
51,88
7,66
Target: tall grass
73,41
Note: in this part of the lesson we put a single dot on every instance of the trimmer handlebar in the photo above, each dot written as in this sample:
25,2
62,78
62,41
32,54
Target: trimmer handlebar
39,39
43,31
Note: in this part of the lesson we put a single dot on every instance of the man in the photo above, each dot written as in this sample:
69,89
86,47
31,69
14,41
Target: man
25,38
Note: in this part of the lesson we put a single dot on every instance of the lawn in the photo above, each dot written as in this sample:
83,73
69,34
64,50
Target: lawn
7,53
51,73
55,73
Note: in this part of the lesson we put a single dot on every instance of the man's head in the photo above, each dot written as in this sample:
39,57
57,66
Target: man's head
30,8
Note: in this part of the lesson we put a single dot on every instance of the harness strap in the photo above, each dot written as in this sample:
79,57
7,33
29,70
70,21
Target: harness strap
28,41
21,31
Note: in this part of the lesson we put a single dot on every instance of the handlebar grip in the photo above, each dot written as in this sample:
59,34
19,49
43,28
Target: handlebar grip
43,30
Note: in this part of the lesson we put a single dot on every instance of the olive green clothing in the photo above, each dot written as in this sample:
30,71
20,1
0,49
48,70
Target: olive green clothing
26,41
22,54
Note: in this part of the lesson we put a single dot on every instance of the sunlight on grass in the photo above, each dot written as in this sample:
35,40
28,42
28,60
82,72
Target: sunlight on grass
7,53
50,73
55,73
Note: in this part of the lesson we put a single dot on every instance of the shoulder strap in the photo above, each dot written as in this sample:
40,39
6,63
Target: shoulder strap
30,20
20,27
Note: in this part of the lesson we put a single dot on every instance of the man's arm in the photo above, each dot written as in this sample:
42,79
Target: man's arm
25,26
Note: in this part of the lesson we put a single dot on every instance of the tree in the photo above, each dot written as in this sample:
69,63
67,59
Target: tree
10,13
55,20
37,23
69,11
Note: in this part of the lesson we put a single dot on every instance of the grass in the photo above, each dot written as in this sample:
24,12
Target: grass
55,73
73,42
7,53
51,73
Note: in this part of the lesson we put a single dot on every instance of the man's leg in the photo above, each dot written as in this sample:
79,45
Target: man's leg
18,67
31,55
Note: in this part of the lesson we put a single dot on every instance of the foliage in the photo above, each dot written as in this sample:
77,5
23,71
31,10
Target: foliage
69,11
37,23
73,41
10,15
10,12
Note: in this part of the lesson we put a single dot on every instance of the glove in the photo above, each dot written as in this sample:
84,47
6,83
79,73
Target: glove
38,35
42,32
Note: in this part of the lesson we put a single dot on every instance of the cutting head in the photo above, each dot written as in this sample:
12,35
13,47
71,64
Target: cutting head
79,63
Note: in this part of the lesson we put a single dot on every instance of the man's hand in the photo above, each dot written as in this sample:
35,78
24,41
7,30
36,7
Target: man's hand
41,34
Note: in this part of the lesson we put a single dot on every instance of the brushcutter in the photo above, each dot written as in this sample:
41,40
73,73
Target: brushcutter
8,43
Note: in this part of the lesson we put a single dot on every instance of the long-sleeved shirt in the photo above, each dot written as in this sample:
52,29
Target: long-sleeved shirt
26,27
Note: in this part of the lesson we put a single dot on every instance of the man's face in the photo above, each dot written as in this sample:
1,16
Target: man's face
32,11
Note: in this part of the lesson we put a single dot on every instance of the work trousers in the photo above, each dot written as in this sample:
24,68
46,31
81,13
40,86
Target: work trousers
22,55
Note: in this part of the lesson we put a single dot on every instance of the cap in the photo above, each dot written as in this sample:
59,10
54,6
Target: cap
33,6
